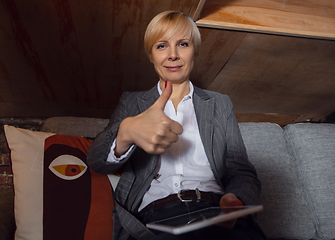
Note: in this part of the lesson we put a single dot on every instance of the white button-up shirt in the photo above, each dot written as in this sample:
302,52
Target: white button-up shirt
184,165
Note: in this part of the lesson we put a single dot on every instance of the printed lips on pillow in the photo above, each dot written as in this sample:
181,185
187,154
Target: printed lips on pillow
56,195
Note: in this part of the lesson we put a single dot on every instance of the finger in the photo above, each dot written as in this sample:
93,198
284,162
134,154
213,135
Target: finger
176,128
229,200
170,138
236,203
162,100
156,149
164,139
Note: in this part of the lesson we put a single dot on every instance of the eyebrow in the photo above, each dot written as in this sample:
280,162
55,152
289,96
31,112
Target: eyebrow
180,40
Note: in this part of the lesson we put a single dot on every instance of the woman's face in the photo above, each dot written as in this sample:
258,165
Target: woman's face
173,58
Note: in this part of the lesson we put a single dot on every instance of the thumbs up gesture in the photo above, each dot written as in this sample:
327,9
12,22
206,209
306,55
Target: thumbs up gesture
151,130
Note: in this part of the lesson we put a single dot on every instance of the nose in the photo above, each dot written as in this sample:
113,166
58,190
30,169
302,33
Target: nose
173,56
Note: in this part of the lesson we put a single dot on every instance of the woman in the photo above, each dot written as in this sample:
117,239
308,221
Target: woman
175,142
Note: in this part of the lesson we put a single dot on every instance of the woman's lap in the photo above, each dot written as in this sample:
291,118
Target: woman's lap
245,228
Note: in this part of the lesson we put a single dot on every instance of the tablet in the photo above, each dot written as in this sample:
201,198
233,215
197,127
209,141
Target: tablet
202,218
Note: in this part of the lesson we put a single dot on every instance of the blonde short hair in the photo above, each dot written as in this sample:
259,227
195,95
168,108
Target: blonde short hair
171,22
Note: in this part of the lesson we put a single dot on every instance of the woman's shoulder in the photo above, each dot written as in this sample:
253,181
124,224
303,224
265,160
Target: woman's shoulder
222,103
204,93
131,96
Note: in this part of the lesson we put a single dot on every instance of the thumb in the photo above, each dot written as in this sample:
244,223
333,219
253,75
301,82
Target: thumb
162,100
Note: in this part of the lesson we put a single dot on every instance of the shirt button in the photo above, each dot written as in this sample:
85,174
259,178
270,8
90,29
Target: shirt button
176,184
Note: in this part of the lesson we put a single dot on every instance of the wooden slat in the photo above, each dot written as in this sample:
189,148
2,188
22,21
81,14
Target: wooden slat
196,9
311,18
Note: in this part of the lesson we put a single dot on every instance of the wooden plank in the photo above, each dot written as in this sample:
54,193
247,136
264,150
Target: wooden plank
309,18
268,30
196,9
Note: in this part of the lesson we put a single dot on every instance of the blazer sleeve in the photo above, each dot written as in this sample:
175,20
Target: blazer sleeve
240,175
98,152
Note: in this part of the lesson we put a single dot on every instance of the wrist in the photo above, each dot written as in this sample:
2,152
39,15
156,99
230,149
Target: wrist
122,140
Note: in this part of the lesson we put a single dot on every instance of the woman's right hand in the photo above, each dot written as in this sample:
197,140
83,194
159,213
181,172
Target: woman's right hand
151,130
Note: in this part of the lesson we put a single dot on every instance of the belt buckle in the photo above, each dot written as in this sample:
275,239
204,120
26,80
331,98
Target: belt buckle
197,192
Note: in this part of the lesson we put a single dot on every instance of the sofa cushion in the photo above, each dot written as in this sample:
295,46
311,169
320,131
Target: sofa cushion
75,126
56,195
285,213
313,148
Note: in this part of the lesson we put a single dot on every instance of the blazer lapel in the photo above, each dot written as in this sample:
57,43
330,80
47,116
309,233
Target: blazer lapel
148,99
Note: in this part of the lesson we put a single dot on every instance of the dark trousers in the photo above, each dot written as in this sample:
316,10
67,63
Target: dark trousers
245,228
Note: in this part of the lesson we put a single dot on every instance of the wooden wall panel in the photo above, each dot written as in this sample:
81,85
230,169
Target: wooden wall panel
281,75
216,49
74,54
71,57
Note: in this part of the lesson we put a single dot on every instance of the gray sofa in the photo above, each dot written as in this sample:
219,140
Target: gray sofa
296,165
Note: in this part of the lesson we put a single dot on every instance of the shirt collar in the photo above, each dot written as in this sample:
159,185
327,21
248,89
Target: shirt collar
186,96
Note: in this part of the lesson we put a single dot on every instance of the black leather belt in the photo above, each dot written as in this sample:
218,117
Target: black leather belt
181,196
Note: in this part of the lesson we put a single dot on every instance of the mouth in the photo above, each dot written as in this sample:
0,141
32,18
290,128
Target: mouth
173,68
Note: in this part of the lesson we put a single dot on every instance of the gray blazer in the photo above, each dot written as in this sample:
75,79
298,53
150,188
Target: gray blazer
222,142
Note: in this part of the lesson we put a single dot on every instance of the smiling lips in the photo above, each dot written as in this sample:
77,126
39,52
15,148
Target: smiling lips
173,68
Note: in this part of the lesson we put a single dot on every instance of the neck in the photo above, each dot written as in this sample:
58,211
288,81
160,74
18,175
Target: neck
179,91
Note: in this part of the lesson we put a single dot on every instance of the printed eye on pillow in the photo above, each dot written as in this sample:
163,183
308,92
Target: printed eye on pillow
67,167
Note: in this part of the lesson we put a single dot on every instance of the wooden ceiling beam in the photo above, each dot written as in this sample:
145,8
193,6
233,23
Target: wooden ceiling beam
196,9
312,19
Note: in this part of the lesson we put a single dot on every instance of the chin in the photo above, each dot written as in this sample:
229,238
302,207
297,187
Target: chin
174,79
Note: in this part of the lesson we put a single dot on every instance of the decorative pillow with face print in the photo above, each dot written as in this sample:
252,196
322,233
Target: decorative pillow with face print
57,196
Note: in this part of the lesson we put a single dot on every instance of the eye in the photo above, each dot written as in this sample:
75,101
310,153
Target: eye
68,167
160,46
184,44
